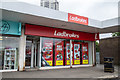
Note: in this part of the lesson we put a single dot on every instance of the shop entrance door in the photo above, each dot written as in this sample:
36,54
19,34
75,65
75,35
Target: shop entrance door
28,54
32,51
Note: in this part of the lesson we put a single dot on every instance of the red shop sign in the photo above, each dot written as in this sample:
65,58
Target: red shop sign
77,19
37,30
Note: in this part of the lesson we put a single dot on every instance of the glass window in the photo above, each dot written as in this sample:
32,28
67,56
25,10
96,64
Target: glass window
59,52
85,56
9,53
67,53
76,52
53,52
47,52
56,52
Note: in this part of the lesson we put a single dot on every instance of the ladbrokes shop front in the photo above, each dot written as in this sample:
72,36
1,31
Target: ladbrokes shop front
46,41
48,47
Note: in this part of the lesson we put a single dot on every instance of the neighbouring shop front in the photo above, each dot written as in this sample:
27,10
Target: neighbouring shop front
9,45
50,47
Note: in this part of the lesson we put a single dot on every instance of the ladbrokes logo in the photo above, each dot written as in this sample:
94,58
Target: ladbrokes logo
97,36
77,19
4,27
64,34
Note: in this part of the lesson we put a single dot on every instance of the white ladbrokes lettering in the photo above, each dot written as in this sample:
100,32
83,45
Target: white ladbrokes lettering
78,19
64,34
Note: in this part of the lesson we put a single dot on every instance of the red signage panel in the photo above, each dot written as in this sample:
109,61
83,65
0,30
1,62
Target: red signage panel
58,33
77,19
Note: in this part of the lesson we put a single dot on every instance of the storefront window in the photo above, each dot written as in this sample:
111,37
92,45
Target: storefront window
59,52
53,52
9,53
76,52
85,56
47,52
56,52
67,53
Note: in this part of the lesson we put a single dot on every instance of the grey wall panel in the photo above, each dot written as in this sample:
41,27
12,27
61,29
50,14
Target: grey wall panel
110,22
94,23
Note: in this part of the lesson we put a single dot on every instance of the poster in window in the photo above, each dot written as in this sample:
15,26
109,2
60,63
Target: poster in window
76,53
67,60
85,53
47,56
59,52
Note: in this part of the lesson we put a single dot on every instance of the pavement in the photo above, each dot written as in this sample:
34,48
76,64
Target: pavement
0,75
81,72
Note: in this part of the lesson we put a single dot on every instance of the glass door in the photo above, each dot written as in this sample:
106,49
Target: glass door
32,51
36,53
28,54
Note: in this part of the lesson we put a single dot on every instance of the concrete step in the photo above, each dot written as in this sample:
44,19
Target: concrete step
31,69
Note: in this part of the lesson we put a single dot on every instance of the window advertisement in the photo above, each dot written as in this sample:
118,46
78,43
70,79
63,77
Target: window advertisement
67,47
9,53
76,53
59,52
84,53
56,52
47,52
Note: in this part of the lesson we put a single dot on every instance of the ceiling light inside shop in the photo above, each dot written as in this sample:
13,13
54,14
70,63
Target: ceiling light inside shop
1,37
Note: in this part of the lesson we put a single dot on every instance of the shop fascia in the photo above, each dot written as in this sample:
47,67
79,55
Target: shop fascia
59,33
78,19
65,34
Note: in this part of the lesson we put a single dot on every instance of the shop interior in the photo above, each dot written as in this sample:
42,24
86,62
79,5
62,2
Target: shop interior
9,47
